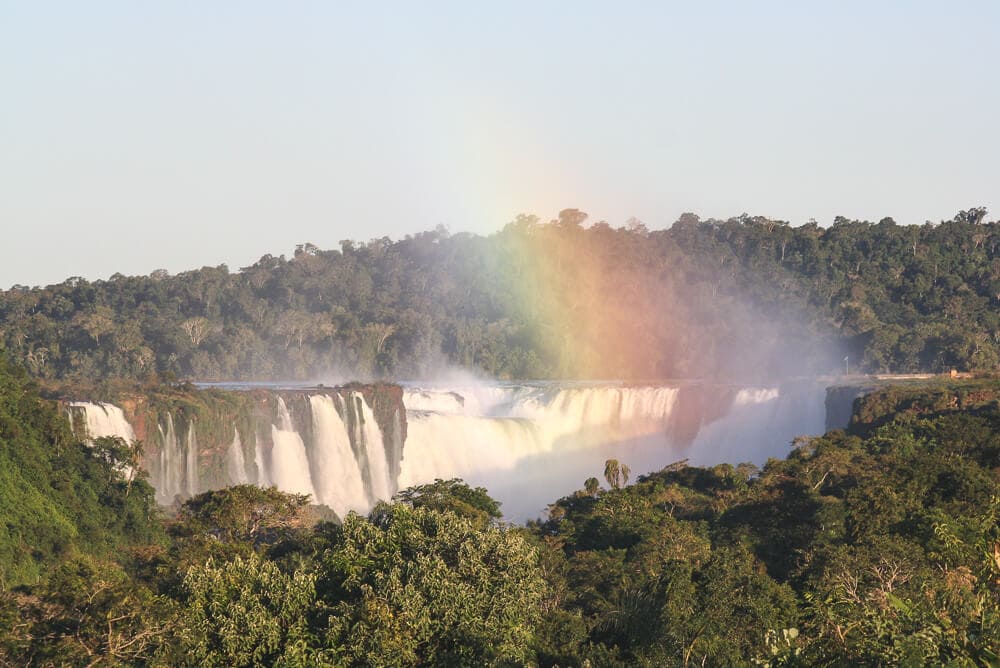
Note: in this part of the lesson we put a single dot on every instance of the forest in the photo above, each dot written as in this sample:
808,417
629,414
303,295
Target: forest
874,545
878,545
743,298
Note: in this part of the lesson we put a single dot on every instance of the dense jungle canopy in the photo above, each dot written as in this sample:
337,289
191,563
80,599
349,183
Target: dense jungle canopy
876,546
748,298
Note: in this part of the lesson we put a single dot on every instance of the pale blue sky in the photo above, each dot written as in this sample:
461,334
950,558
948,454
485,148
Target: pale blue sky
137,136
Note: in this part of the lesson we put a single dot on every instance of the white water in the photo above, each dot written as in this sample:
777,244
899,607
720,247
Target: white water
380,486
530,445
527,444
104,420
480,400
329,468
761,424
236,467
540,422
289,462
339,483
173,466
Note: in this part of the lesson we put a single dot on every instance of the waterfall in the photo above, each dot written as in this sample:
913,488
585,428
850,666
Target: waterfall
343,461
528,444
289,462
591,416
236,467
532,444
172,463
483,400
461,446
370,437
445,445
346,463
339,483
103,420
760,424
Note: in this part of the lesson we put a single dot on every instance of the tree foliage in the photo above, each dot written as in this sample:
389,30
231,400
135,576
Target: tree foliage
415,586
879,545
743,297
245,612
473,503
58,496
876,547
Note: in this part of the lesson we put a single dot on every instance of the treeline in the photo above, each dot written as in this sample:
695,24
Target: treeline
876,547
747,297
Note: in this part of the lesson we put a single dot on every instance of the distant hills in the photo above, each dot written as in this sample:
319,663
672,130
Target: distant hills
744,298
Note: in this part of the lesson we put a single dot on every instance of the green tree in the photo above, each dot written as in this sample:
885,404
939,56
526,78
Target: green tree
242,513
616,473
245,612
88,612
453,496
414,586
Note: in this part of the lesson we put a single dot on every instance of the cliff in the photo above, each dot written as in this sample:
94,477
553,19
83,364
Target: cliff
196,439
925,399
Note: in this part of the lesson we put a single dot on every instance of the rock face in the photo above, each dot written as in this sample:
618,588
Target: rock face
341,445
840,400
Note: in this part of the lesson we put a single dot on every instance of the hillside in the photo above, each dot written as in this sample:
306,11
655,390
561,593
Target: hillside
58,497
747,298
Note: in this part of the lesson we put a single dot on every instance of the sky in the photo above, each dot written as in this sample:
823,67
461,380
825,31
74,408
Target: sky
174,135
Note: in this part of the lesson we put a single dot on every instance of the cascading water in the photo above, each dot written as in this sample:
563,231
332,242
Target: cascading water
459,446
527,444
344,463
378,484
339,483
336,453
539,423
760,424
289,461
169,480
236,467
103,420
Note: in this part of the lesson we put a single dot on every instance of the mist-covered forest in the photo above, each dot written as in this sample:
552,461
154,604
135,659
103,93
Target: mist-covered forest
748,298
